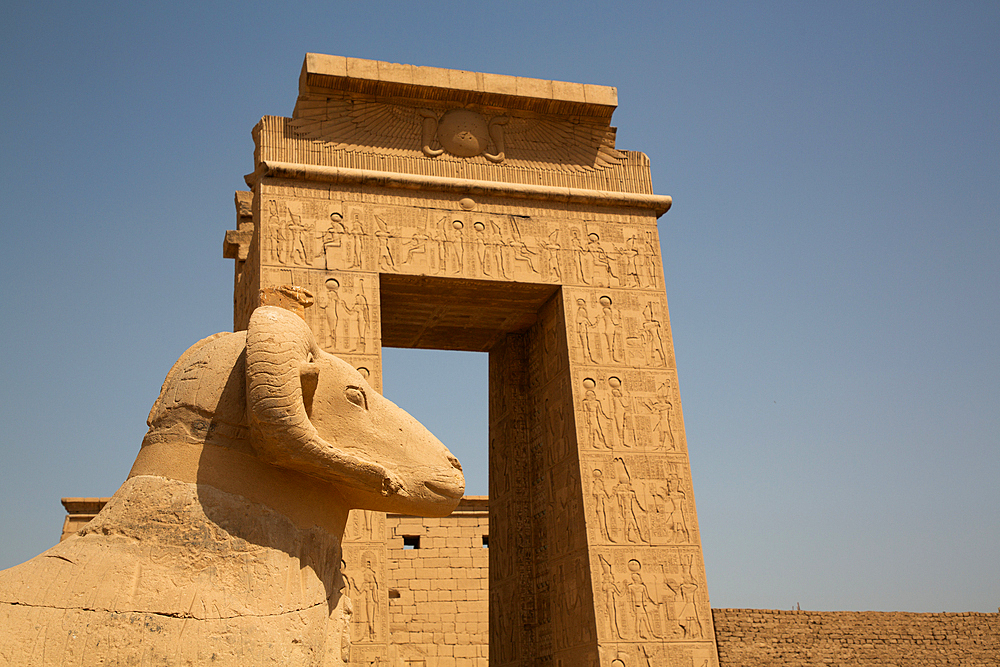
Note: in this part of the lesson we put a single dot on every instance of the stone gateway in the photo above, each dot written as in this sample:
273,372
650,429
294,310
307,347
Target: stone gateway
454,210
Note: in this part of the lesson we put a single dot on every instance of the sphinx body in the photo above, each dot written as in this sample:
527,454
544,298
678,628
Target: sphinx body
223,546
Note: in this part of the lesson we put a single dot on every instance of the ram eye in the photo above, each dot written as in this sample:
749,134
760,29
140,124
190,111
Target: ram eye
357,396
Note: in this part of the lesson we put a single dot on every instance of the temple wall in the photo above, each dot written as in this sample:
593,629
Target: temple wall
439,610
439,588
766,637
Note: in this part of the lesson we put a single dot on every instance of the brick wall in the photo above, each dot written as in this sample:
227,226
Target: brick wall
439,588
765,638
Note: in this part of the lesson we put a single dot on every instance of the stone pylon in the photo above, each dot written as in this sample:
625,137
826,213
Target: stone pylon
456,210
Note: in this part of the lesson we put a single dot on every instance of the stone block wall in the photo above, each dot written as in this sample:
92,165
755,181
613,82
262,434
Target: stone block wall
439,588
766,638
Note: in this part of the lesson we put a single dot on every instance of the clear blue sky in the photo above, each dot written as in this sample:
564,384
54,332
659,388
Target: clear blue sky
831,257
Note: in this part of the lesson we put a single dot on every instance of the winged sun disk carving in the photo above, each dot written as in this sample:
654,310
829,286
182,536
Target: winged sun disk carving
357,124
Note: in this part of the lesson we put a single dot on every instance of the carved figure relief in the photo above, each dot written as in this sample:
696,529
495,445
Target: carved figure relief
662,407
386,262
566,508
567,602
356,249
609,324
368,597
358,321
583,330
685,608
651,338
329,302
501,252
631,511
551,260
333,241
601,501
621,408
633,261
601,334
601,261
640,603
276,234
481,246
671,506
652,252
300,234
555,425
416,245
581,258
595,415
346,315
521,252
610,592
454,245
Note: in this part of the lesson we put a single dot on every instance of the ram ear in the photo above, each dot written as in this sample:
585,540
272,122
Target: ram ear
281,379
309,379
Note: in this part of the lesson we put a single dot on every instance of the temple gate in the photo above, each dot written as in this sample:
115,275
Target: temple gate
453,210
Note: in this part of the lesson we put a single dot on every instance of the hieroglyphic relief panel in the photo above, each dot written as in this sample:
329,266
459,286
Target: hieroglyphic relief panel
366,575
365,578
628,409
619,327
365,526
638,499
316,228
345,316
653,597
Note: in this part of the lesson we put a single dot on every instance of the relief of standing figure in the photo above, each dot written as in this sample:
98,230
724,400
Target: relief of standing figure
583,327
609,323
595,412
385,259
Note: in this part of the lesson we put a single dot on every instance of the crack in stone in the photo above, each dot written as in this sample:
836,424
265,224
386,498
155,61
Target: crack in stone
72,562
164,614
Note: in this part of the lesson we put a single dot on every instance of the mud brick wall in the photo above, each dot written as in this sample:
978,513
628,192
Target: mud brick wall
765,638
439,589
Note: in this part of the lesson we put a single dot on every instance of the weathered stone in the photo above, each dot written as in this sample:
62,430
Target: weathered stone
225,543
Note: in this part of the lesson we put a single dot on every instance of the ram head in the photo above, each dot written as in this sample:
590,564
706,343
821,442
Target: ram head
273,393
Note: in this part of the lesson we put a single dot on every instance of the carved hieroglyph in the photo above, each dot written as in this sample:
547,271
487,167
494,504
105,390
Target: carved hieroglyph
457,210
223,546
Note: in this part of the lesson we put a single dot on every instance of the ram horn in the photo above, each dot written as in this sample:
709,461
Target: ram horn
279,344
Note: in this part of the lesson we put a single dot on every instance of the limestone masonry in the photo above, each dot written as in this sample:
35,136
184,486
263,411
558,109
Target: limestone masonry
438,586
